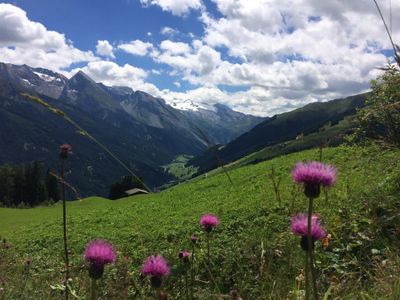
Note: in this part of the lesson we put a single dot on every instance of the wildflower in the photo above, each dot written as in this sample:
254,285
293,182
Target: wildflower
194,239
65,149
299,225
184,256
156,267
99,253
208,222
234,295
313,175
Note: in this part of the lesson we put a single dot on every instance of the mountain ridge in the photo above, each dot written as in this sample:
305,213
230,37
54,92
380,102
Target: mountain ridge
143,131
280,129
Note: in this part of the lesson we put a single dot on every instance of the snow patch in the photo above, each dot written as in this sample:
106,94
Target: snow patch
191,106
27,81
46,77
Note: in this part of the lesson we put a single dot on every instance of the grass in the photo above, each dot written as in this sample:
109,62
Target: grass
16,219
252,250
328,135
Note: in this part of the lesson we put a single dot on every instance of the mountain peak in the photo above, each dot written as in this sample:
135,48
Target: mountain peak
81,76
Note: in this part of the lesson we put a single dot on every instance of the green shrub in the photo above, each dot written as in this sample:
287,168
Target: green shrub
380,119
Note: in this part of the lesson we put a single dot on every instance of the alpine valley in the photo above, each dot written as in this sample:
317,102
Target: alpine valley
142,131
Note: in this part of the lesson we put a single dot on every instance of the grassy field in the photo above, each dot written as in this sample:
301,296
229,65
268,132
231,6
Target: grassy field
252,250
178,168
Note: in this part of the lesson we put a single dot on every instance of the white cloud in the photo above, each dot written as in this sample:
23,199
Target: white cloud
168,31
192,60
247,101
174,48
280,54
176,7
136,47
104,48
268,30
26,42
156,72
287,53
112,74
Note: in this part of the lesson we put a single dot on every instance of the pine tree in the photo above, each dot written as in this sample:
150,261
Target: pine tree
53,192
7,174
18,187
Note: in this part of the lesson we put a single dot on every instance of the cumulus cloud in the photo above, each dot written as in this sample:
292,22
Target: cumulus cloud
175,48
104,48
247,101
112,74
287,53
23,41
193,61
168,31
136,47
283,53
279,54
176,7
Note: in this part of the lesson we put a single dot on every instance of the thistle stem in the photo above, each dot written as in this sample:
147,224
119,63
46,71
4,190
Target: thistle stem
93,290
186,283
208,251
192,272
313,275
310,252
307,274
65,231
208,265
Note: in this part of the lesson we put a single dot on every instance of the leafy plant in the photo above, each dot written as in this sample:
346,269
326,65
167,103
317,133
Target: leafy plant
380,119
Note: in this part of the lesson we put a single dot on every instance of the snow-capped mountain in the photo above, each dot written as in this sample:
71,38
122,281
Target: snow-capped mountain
143,130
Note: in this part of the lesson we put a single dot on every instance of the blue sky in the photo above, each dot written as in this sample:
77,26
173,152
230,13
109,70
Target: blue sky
118,21
260,57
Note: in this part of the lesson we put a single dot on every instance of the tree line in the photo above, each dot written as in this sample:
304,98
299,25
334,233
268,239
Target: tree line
27,186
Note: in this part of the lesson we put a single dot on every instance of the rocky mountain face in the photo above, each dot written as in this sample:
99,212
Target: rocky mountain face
221,123
42,81
143,131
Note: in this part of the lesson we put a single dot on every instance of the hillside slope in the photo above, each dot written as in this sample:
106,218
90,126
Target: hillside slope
282,128
253,249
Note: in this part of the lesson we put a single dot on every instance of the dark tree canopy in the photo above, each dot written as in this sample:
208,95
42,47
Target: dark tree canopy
26,186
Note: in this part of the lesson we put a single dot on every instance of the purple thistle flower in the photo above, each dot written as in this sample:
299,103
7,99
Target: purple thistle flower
99,253
313,175
155,266
299,226
208,222
194,239
184,256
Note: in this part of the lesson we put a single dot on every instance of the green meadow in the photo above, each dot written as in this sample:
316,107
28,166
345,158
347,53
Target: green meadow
252,250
